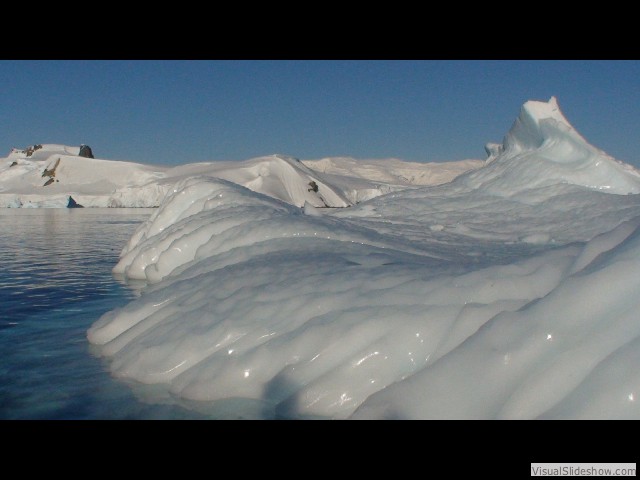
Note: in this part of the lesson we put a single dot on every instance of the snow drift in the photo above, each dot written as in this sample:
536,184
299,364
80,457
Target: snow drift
488,297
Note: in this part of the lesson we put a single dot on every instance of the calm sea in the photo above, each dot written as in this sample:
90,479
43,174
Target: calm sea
55,281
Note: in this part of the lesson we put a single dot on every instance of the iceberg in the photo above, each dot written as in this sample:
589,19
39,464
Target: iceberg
542,148
509,292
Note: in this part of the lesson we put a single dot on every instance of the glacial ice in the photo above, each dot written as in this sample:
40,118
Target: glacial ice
510,292
46,179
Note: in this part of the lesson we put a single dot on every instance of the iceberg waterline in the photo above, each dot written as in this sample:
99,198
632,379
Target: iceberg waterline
510,292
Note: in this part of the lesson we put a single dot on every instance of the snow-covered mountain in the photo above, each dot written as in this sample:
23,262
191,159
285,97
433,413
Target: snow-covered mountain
393,171
510,292
47,175
362,180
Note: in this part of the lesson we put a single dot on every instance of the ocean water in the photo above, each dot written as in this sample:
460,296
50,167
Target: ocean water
55,281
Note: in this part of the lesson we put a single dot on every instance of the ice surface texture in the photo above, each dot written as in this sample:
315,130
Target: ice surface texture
509,293
542,148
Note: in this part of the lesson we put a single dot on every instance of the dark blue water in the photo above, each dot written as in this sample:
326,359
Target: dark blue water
55,281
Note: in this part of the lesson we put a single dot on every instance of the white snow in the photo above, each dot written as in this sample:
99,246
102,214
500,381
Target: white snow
542,149
111,183
363,180
511,292
91,182
278,176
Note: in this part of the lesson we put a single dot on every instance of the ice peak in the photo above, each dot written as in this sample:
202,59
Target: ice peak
541,110
541,149
538,121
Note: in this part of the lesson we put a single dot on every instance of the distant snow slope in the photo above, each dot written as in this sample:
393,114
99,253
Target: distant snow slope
481,298
362,180
91,182
393,171
48,175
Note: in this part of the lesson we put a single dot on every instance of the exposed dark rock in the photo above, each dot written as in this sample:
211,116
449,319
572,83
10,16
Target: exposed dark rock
13,164
29,150
48,182
73,204
51,173
85,151
314,187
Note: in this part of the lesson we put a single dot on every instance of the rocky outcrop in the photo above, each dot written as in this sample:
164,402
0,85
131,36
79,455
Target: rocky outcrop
29,150
85,151
51,173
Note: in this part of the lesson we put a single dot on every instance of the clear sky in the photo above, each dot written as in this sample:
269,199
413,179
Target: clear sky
172,112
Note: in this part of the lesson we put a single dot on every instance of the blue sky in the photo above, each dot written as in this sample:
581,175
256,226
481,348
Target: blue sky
172,112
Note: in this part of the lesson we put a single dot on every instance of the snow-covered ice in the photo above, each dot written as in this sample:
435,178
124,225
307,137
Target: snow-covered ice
48,176
51,174
510,292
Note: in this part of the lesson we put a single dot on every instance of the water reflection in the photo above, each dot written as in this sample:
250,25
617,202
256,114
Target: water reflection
55,282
